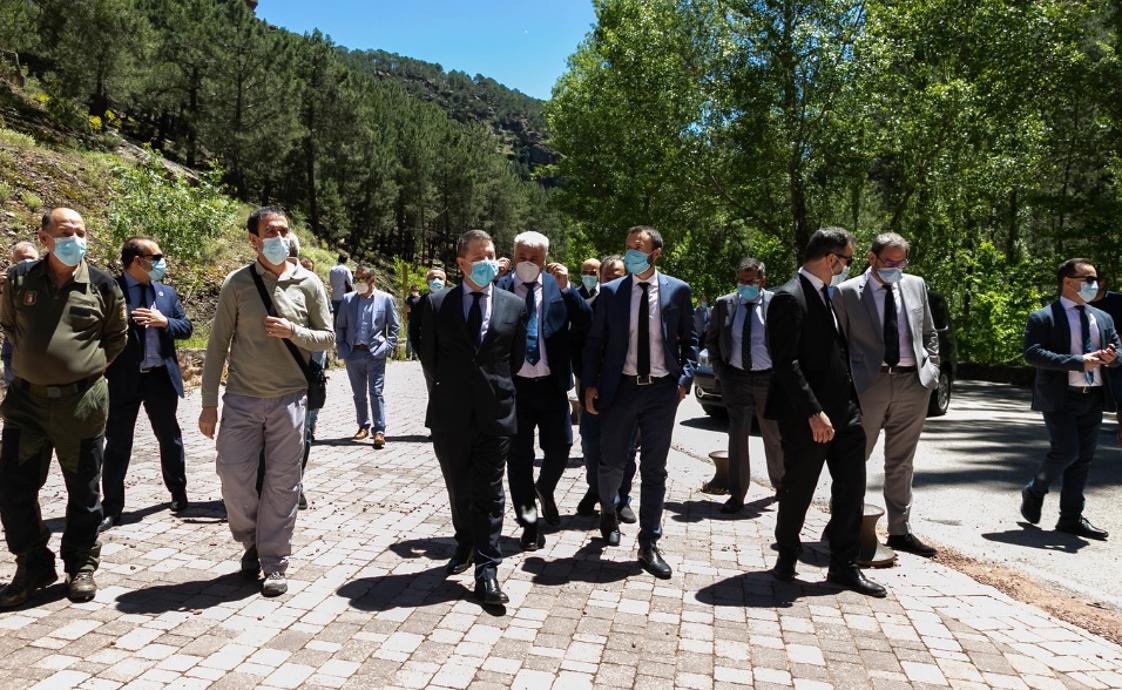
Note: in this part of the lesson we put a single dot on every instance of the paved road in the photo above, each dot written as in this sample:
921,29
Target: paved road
971,465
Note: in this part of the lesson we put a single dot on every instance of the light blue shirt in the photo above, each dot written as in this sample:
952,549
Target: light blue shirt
135,300
760,358
365,319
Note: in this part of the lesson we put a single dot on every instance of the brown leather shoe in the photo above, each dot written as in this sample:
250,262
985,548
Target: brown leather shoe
81,586
27,581
361,434
379,440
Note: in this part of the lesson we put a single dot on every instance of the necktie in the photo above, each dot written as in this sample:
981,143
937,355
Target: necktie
830,306
1085,327
746,336
533,350
643,356
891,328
475,319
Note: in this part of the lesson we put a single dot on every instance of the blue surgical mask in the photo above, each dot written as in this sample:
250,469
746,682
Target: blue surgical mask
840,278
436,285
890,275
748,292
1088,291
275,249
158,271
70,250
484,271
636,262
589,282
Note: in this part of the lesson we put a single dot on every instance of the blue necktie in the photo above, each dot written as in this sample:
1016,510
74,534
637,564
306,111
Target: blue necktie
533,351
1085,327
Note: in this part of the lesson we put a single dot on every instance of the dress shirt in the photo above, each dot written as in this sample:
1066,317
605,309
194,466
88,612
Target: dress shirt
533,371
654,313
1077,378
761,360
484,305
907,347
365,318
144,297
818,284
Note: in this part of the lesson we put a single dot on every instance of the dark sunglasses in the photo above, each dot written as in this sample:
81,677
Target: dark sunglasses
847,259
1086,279
154,257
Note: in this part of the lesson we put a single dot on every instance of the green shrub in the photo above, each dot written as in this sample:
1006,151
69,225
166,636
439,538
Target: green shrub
17,139
31,200
6,192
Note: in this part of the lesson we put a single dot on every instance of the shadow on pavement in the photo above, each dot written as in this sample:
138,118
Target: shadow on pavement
1036,538
204,511
698,510
187,596
708,423
760,589
127,517
407,590
48,595
583,566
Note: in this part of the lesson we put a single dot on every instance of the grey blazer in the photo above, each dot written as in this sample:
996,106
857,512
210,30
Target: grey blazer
719,336
857,312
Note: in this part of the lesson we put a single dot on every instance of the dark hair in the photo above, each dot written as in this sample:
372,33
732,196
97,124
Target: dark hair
46,222
889,239
343,258
253,223
829,240
749,263
1069,268
133,248
468,237
655,235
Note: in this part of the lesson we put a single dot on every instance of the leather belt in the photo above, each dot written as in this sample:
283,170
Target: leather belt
1084,390
751,372
74,388
899,370
360,347
532,379
644,380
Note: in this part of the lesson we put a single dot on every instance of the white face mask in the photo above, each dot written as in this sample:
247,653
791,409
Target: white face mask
527,271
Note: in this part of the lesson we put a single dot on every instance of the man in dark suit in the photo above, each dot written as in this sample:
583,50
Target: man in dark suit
436,280
473,339
813,399
147,373
639,360
738,351
589,280
1069,342
557,319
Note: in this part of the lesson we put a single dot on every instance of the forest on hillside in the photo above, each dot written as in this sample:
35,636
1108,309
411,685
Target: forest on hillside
375,153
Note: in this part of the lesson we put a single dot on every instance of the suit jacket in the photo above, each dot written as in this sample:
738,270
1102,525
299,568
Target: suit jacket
565,321
1048,349
856,307
809,357
383,330
123,373
719,337
584,293
472,388
605,350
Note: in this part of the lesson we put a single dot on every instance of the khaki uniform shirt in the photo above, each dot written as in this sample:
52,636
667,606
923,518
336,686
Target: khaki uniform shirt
62,335
260,365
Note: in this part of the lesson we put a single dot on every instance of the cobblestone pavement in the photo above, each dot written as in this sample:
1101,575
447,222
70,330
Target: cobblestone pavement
369,605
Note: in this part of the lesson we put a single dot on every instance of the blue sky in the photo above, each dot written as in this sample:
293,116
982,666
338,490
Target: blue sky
522,44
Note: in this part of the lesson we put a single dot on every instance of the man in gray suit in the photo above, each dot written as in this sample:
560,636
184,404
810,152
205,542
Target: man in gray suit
737,341
894,356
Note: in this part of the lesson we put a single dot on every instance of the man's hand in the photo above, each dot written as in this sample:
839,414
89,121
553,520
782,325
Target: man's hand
1092,360
279,327
504,265
1108,355
821,428
208,421
560,273
590,397
682,392
149,317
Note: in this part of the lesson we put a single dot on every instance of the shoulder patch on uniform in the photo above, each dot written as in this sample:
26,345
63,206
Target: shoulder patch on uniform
30,297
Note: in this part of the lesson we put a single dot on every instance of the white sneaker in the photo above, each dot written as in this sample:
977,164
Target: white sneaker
274,585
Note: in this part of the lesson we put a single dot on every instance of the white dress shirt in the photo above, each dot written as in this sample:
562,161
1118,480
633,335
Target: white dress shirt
818,284
484,306
533,371
761,360
907,347
1077,378
654,315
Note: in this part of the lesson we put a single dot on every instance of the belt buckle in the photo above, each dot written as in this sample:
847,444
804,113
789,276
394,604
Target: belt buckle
643,380
54,391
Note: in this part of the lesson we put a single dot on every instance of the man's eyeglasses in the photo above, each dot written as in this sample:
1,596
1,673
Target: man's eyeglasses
847,259
1089,280
902,263
154,257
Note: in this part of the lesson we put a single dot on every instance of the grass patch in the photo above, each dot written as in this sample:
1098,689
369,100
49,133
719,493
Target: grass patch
6,192
17,139
31,200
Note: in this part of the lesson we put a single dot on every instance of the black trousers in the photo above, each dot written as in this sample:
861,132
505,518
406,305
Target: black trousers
541,406
1074,435
160,402
802,465
472,464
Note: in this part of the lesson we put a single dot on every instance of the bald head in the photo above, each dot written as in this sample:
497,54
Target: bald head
63,221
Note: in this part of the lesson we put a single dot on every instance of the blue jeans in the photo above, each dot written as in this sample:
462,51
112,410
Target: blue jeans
590,425
368,376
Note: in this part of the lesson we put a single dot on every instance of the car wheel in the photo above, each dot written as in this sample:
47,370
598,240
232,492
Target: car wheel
714,410
940,397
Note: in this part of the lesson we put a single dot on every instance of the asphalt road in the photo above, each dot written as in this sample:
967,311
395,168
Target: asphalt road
970,467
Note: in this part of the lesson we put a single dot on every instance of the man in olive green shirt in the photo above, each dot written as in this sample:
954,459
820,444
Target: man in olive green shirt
266,393
66,321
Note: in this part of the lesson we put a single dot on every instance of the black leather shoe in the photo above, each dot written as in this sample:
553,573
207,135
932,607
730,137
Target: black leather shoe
587,505
108,522
460,561
81,586
487,590
651,560
626,515
1030,505
1082,528
549,507
732,506
532,538
27,582
852,578
251,564
609,528
178,505
784,569
909,543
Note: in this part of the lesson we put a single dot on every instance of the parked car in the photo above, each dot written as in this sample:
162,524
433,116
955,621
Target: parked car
708,389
